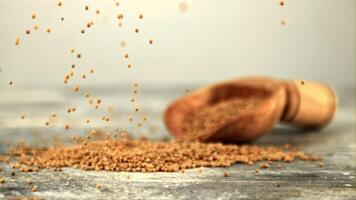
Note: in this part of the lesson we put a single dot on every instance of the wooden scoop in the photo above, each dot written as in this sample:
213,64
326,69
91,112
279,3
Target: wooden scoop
244,109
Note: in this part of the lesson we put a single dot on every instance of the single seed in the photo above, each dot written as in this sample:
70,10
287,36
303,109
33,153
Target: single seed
117,4
66,126
86,8
17,41
11,82
97,186
126,55
71,73
28,32
140,16
29,181
73,66
119,24
23,117
91,71
34,189
59,3
72,50
35,27
130,119
87,95
82,31
302,82
137,109
123,44
226,174
33,16
283,22
76,88
97,12
79,55
136,30
73,109
47,123
91,101
84,76
132,100
62,18
87,121
144,118
139,125
98,101
54,115
281,3
2,180
129,66
151,41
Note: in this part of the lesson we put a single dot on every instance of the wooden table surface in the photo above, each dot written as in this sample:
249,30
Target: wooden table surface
297,180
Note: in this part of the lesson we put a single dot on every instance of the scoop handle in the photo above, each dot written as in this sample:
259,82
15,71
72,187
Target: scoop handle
309,104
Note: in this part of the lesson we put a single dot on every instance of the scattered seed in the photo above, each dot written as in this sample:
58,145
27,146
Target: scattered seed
29,181
47,123
73,66
79,55
17,41
129,66
82,31
59,3
76,88
140,16
137,109
54,115
2,180
66,126
11,82
33,16
97,12
23,117
226,174
84,76
48,30
62,18
302,82
86,8
92,71
120,16
126,55
136,30
72,50
281,3
34,189
35,27
87,121
97,186
28,32
151,41
283,22
87,95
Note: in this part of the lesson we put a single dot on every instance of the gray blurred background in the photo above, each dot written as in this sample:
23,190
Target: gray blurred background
195,42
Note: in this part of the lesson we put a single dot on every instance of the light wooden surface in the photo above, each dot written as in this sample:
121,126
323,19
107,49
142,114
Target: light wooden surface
298,180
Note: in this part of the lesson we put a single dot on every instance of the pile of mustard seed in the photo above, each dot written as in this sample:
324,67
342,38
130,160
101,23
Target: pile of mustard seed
150,156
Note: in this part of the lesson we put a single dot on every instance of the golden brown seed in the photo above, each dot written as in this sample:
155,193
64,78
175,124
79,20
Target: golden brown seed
59,3
91,71
87,95
34,189
226,174
140,16
28,32
73,66
76,88
87,121
73,109
62,18
97,12
302,82
54,115
66,126
17,41
136,30
137,109
84,76
126,55
11,82
72,50
29,181
35,27
79,55
97,186
86,7
130,119
132,100
281,3
82,31
129,66
120,16
33,16
47,123
98,101
264,165
283,22
150,41
48,30
23,117
144,118
2,180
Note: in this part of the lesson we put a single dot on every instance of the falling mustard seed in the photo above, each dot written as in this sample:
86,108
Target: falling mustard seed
35,27
66,126
97,12
11,82
129,66
79,55
76,88
91,71
48,30
17,41
150,41
72,50
86,7
84,76
34,189
33,16
47,123
59,3
28,32
73,66
82,31
136,30
140,16
23,116
281,3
